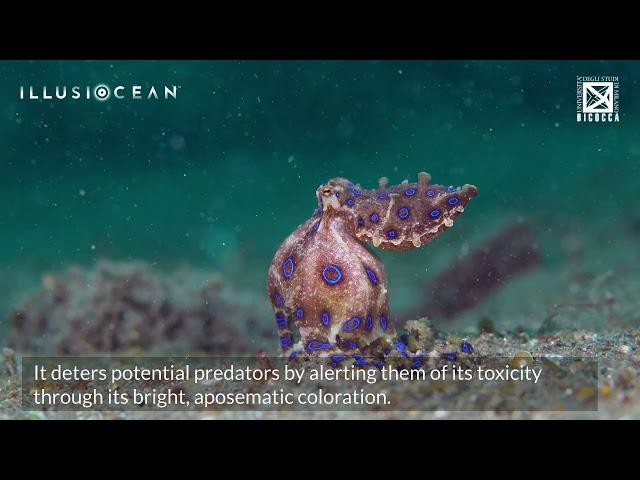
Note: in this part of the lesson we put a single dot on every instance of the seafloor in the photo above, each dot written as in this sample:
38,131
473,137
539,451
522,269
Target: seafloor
618,389
586,308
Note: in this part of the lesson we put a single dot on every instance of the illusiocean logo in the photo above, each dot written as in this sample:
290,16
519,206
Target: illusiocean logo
101,92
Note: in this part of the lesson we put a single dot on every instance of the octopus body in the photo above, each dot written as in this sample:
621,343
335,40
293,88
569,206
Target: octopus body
328,290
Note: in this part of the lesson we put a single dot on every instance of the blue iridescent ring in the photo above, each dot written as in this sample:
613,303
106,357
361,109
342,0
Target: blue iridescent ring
466,347
403,212
334,271
368,325
383,322
352,324
453,201
351,202
431,193
318,345
375,218
299,313
410,192
278,299
434,213
325,318
392,234
372,275
288,267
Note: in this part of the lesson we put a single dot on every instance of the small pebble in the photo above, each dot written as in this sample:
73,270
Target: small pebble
521,359
586,393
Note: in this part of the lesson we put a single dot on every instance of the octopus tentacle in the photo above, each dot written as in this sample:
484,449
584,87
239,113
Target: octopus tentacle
328,291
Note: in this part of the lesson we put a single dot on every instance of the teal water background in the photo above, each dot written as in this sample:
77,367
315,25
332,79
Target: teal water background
218,177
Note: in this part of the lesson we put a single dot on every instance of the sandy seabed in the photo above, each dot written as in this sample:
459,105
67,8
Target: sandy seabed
618,387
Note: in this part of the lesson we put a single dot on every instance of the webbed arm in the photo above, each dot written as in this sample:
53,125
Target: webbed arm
408,215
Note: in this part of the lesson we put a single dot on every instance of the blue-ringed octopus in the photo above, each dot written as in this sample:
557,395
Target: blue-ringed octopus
328,290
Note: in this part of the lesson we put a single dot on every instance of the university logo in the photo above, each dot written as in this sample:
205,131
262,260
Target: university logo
598,99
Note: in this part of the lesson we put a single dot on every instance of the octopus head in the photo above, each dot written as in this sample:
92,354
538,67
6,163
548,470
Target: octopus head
331,194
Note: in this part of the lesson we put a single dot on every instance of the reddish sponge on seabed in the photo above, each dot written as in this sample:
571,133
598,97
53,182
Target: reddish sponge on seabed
328,290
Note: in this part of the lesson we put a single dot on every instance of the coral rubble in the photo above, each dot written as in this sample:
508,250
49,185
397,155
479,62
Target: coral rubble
127,307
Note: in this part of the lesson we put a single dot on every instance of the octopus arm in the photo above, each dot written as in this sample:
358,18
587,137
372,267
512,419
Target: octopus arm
409,215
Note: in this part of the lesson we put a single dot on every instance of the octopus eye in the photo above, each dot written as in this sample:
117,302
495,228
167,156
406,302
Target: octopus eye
326,191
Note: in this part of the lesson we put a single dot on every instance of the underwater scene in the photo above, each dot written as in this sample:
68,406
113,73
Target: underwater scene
350,210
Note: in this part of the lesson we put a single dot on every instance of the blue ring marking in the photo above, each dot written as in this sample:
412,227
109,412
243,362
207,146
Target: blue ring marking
285,342
450,356
314,345
392,234
352,324
281,320
403,212
451,189
288,267
278,299
387,351
299,312
466,347
325,318
431,193
372,275
416,364
400,345
361,363
435,213
368,325
410,192
383,322
293,355
360,222
351,202
383,196
337,358
333,364
453,201
374,217
355,191
352,345
336,270
358,356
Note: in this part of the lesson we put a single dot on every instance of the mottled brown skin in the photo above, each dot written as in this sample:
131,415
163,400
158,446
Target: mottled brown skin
324,266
